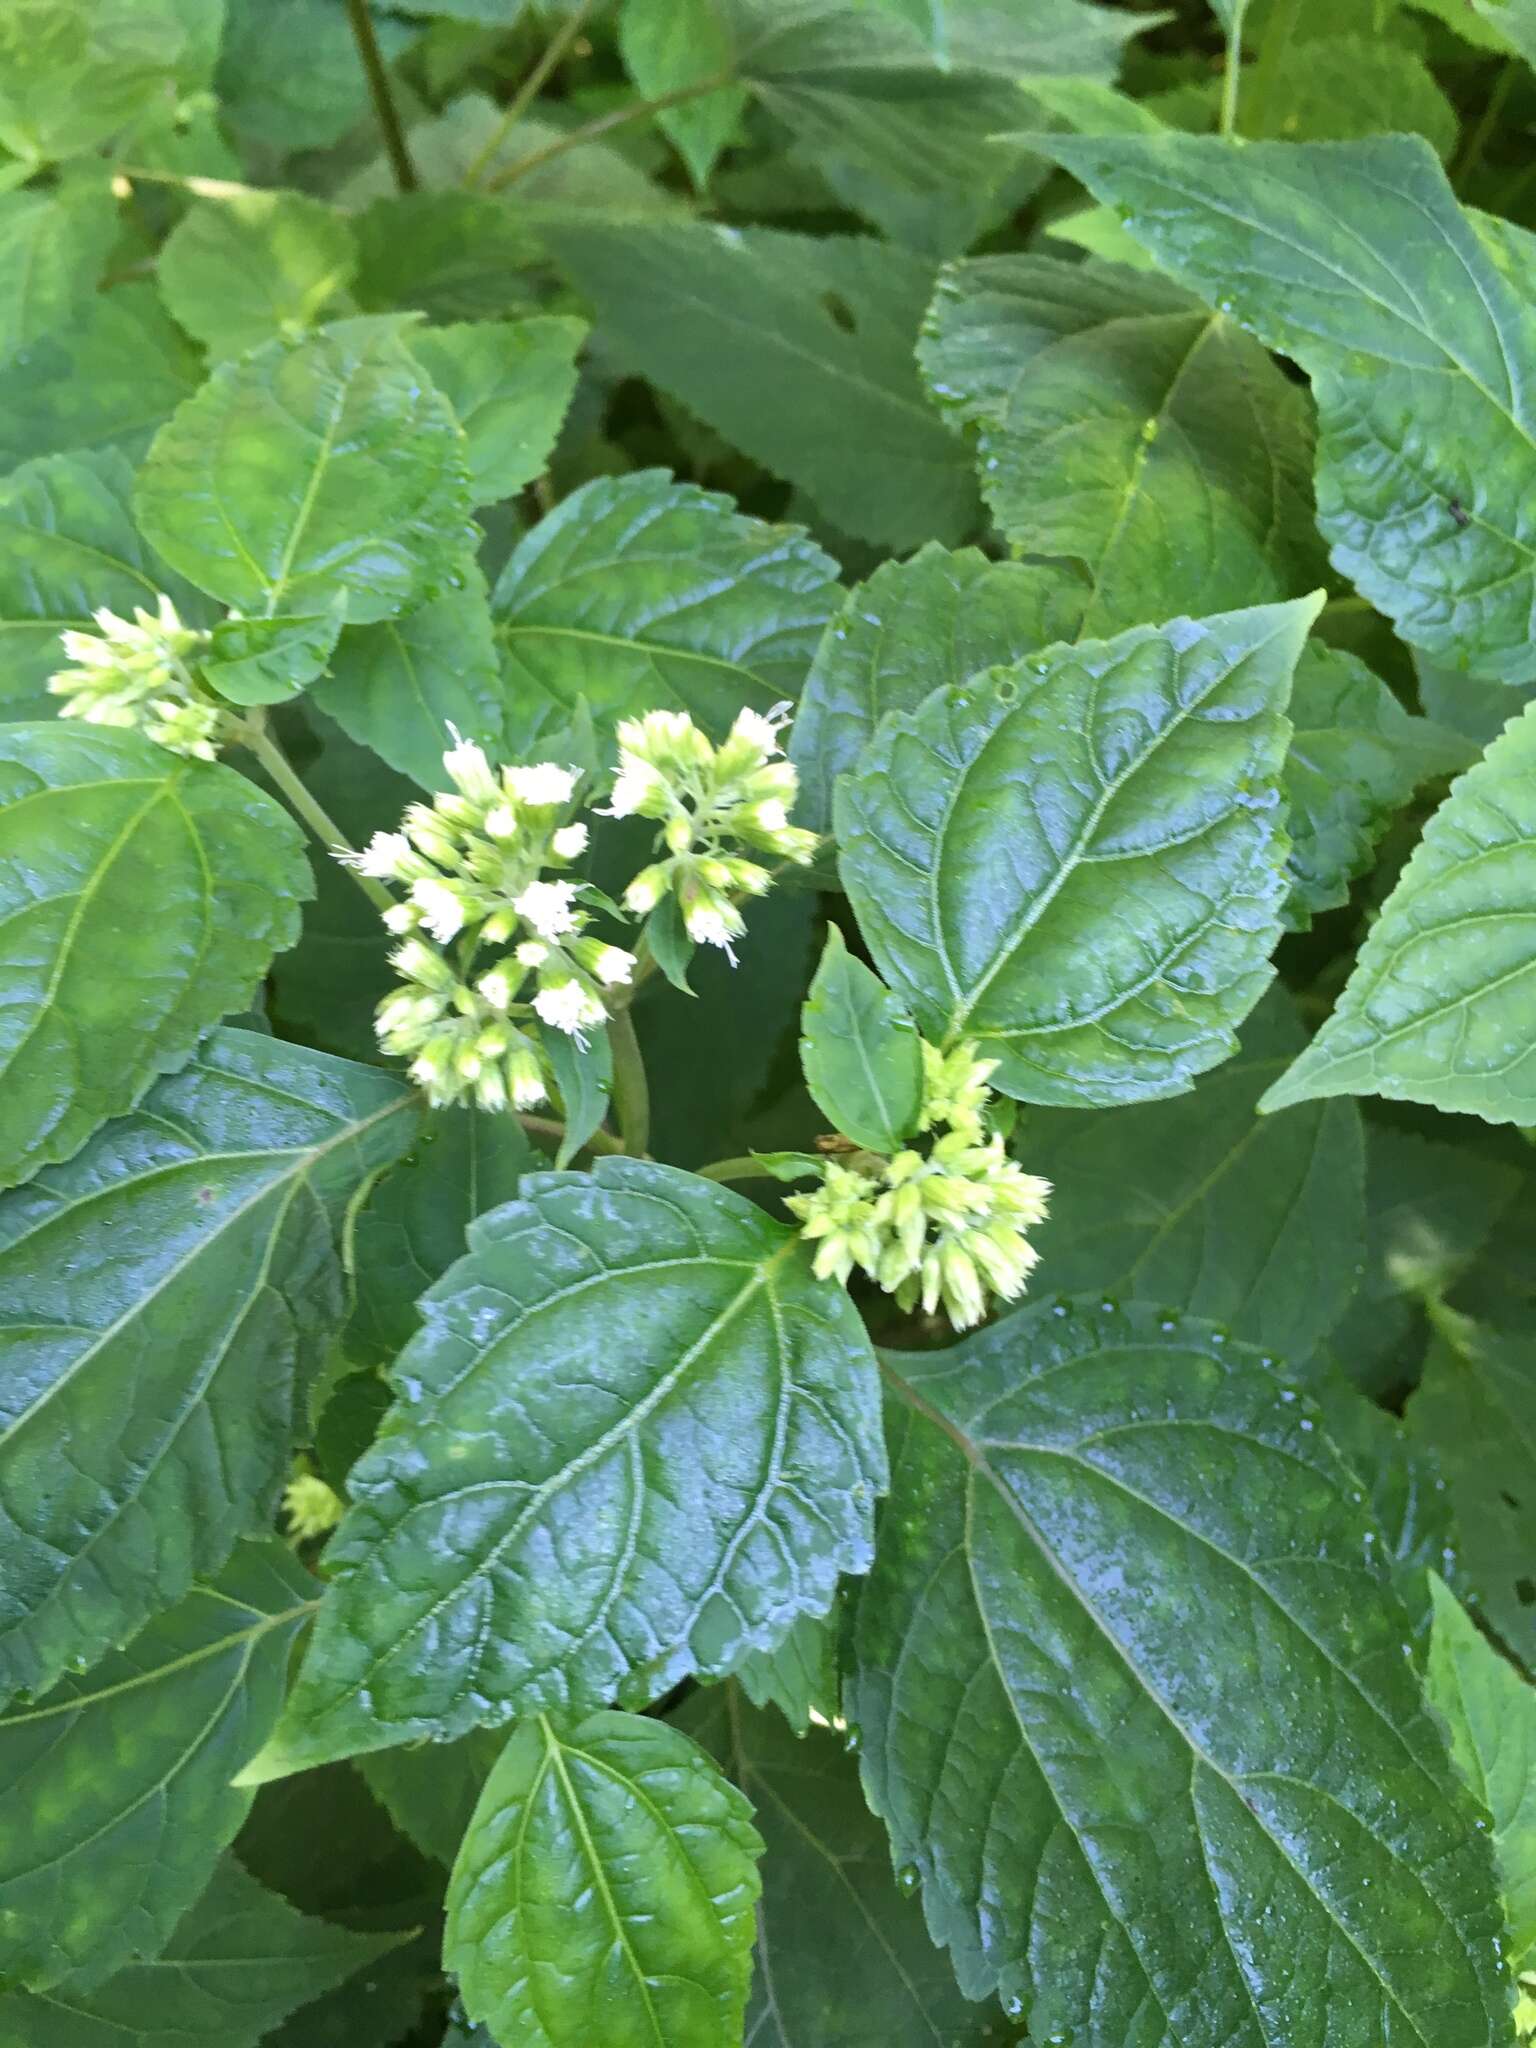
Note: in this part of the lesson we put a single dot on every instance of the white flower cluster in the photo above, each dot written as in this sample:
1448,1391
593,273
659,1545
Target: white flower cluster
133,672
709,801
472,864
949,1226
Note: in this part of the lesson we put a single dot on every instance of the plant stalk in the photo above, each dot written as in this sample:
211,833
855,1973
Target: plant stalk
631,1090
1232,74
549,1127
605,124
743,1168
382,95
530,89
315,816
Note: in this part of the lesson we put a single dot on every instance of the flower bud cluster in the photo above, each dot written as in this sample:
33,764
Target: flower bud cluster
473,865
710,803
310,1507
949,1226
133,672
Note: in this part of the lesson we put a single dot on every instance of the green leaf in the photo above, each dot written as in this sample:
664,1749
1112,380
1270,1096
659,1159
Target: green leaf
1490,1714
1437,1009
96,824
72,72
936,618
1356,758
167,1297
398,686
510,384
68,545
1336,88
430,1789
452,255
115,1798
860,1050
1403,1488
583,1076
108,380
272,99
1355,259
795,350
608,1878
843,1960
1121,423
53,250
310,471
632,1371
670,44
1097,853
267,661
637,592
240,270
1043,38
800,1677
412,1228
1475,1411
240,1961
1204,1206
1108,1531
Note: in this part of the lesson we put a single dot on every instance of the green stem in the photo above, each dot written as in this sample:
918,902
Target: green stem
1231,75
744,1168
605,124
548,1127
271,756
1472,154
631,1091
530,88
380,93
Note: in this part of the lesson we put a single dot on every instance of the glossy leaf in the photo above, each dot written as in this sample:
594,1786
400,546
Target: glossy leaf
167,1296
311,470
937,618
1106,1528
1097,853
638,593
510,383
267,661
670,44
632,1372
115,1799
107,380
860,1050
53,250
794,350
583,1078
1121,423
97,999
1355,259
800,1677
241,270
1202,1205
843,1959
609,1875
1437,1008
1489,1711
239,1962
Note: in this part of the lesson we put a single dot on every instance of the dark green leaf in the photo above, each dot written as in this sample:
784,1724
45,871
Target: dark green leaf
1078,861
453,255
106,381
268,95
1109,1533
312,470
584,1081
115,1798
430,1789
860,1050
510,383
98,999
167,1296
801,1676
608,1879
795,350
632,1371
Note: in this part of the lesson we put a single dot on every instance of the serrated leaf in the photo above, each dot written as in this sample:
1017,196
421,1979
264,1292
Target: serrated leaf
452,255
430,1789
74,71
53,249
115,1799
95,1000
510,383
68,545
309,471
607,1880
1097,853
1474,1410
631,1365
1404,1491
795,350
1489,1711
638,593
1356,757
1106,1529
1354,258
862,1057
669,44
935,618
1202,1205
167,1295
843,1959
412,1227
239,1962
250,266
1121,423
1437,1008
107,380
800,1677
267,661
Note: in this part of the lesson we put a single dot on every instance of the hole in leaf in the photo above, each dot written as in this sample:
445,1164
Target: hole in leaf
1509,1500
1525,1592
840,312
